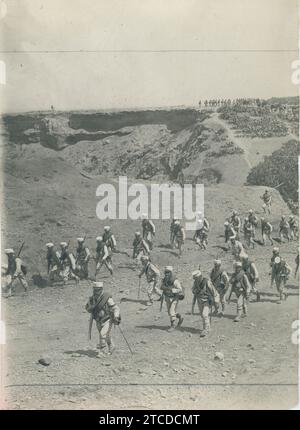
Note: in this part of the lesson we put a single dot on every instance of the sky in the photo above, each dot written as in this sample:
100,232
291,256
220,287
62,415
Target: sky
114,54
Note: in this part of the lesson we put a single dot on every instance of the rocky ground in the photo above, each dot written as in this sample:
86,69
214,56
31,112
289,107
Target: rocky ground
46,198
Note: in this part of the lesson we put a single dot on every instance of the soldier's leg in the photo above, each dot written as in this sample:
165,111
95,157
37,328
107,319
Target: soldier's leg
239,307
7,286
172,313
245,307
222,302
103,329
156,290
270,238
205,319
108,265
106,335
23,281
150,287
279,288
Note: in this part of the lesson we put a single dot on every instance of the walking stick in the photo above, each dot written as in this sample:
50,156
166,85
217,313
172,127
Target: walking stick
121,331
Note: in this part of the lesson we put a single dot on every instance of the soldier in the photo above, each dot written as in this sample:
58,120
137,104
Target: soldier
201,233
235,221
280,273
293,227
206,296
229,233
249,233
220,281
240,285
267,199
103,256
82,258
109,239
172,292
266,230
148,230
67,263
179,236
152,275
237,249
284,229
53,263
253,220
106,314
252,275
15,270
140,246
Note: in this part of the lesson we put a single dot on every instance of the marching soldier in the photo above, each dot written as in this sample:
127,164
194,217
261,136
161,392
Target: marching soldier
67,263
267,199
220,281
201,233
152,275
249,233
82,258
284,229
109,239
179,236
266,230
240,285
103,256
172,292
15,270
293,227
237,249
206,296
252,275
106,314
280,274
140,247
235,221
53,263
252,218
229,233
148,230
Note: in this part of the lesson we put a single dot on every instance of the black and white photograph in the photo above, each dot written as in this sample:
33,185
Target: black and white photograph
149,205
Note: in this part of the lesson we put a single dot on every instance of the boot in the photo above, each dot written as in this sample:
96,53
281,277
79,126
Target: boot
172,327
238,317
244,314
111,349
180,320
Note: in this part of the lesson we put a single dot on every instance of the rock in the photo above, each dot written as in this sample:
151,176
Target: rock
253,325
59,224
219,356
224,374
143,341
45,361
251,360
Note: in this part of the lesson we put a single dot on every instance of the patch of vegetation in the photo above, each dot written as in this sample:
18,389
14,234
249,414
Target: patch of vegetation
281,167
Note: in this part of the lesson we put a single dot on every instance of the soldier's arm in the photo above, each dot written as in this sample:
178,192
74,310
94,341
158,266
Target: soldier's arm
88,254
142,271
176,287
152,226
114,240
105,253
115,311
18,266
255,271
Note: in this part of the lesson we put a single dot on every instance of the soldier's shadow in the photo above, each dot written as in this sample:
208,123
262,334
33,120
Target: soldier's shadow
141,301
84,352
167,246
221,247
165,328
171,252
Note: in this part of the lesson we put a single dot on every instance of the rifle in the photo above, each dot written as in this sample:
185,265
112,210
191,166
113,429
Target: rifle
90,327
139,290
161,302
20,250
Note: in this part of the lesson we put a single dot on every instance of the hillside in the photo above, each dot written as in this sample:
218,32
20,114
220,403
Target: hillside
50,194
